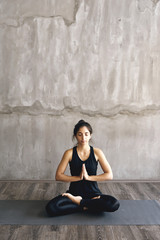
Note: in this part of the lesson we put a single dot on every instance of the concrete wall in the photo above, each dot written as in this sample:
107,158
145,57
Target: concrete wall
63,60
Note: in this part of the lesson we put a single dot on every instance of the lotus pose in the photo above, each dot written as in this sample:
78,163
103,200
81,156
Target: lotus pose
83,193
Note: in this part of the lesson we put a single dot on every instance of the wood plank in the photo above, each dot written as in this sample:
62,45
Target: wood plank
40,191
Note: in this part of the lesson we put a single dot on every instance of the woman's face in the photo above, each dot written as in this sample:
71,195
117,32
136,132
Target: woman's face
83,136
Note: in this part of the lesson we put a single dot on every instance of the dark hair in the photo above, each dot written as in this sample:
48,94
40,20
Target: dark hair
80,124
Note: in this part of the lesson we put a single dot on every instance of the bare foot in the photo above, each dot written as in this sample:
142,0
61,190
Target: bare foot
75,199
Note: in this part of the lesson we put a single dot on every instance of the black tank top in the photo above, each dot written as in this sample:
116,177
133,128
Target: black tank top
84,188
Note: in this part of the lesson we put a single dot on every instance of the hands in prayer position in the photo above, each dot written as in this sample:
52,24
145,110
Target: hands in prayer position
84,173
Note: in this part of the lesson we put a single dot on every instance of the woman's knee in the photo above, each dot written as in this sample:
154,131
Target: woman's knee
52,206
116,206
50,209
61,205
111,203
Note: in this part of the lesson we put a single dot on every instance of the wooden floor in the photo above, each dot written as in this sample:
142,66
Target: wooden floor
34,190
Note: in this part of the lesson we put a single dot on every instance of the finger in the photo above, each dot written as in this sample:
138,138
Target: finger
85,168
82,167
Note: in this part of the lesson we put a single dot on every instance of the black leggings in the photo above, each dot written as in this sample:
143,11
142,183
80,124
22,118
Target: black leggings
62,205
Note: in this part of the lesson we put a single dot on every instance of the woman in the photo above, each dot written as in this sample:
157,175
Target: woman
83,193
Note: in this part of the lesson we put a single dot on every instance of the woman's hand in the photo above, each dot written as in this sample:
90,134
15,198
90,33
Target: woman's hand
84,172
81,175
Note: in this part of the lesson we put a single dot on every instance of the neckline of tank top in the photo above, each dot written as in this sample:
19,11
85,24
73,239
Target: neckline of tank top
80,158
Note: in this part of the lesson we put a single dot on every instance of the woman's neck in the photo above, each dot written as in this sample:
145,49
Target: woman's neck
83,148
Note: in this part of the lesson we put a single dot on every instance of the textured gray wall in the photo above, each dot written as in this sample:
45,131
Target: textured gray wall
63,60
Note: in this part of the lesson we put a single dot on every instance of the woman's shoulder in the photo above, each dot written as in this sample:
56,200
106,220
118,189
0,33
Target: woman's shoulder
97,153
68,153
97,150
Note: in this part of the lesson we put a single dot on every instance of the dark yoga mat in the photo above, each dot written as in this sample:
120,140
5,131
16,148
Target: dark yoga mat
131,212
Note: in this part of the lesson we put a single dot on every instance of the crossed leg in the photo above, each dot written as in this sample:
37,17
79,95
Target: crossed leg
105,203
61,205
67,203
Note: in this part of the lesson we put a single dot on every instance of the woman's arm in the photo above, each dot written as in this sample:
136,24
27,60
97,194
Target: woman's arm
107,175
60,176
